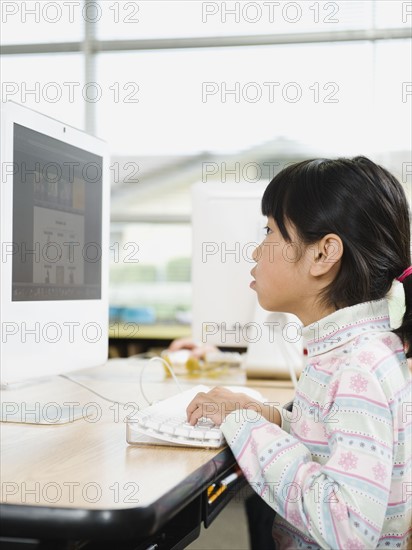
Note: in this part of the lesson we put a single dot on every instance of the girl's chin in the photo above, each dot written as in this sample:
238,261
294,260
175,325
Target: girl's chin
274,307
264,304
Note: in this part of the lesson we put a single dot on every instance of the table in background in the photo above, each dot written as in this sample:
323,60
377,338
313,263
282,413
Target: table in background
127,339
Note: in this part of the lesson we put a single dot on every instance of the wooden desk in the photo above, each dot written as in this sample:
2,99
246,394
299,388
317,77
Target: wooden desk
82,481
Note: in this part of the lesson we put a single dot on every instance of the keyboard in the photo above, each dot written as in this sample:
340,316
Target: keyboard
165,422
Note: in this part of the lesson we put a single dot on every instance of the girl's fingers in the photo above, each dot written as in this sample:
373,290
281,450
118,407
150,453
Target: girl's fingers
195,416
215,404
194,405
182,343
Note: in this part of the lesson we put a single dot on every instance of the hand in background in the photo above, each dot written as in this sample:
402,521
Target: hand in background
197,350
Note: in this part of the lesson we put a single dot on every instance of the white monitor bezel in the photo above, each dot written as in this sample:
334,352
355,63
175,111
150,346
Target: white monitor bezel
25,355
221,297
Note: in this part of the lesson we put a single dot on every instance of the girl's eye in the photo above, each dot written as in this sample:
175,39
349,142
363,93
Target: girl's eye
267,230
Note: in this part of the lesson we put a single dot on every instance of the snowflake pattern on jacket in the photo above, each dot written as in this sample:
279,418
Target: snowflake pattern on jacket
338,471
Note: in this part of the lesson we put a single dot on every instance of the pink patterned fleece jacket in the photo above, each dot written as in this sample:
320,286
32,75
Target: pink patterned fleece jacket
338,472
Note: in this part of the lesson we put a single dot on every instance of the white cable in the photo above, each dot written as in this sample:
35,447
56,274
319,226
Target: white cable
140,383
166,364
91,390
169,367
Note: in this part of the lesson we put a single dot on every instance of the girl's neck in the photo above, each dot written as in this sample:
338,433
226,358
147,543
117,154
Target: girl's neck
313,314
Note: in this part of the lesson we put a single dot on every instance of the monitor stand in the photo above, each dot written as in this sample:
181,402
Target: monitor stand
278,353
14,407
38,413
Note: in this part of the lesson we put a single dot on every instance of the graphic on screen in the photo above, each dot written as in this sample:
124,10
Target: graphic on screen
57,219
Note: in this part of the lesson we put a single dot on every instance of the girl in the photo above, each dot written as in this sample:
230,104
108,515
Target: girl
337,468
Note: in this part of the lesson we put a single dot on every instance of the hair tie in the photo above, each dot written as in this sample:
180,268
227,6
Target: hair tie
406,273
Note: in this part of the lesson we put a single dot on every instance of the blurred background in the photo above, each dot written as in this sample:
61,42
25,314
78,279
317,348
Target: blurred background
189,91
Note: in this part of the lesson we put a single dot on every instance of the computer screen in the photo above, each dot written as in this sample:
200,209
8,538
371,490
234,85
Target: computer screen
54,216
54,247
227,226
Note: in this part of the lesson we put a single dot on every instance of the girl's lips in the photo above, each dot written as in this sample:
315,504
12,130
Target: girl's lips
253,283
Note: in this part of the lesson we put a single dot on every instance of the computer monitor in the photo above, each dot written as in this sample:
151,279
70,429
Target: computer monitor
54,208
227,226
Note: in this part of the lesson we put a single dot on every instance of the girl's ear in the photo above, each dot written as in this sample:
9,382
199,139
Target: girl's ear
328,253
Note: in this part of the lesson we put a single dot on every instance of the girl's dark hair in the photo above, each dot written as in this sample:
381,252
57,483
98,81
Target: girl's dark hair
367,207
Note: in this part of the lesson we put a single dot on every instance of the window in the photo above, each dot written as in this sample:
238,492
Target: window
50,83
177,86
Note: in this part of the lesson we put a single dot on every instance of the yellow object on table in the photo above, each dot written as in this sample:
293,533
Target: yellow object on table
182,362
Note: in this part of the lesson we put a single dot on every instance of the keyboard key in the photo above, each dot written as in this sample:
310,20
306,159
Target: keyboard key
153,423
167,429
213,434
182,430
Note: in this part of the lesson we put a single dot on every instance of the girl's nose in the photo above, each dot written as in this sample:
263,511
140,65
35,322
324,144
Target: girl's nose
256,253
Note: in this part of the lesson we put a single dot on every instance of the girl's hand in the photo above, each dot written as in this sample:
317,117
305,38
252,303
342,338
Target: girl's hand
216,405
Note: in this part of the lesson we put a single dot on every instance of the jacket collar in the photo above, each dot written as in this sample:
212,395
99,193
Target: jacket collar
343,325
